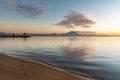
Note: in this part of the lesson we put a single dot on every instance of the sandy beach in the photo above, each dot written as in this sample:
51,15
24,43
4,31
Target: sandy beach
12,68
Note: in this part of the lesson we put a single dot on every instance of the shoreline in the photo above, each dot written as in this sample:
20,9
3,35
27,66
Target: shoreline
12,68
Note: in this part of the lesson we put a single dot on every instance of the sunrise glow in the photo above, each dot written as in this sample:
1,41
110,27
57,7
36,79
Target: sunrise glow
39,17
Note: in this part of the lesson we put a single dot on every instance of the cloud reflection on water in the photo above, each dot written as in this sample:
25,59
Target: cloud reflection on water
77,49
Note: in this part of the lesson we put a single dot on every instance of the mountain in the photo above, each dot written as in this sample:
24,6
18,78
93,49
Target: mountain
71,33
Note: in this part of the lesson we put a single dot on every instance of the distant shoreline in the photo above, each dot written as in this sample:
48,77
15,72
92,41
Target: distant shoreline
51,36
68,34
75,36
15,36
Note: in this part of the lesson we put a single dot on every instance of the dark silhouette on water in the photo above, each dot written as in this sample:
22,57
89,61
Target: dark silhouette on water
14,35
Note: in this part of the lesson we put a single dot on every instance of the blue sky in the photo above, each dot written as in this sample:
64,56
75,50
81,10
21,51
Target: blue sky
104,12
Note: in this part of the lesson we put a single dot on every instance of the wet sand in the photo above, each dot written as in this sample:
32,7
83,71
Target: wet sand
17,69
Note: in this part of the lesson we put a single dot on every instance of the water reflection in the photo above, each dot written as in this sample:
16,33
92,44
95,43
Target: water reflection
97,58
77,49
22,38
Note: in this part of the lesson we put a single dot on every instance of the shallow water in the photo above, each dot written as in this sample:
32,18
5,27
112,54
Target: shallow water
97,58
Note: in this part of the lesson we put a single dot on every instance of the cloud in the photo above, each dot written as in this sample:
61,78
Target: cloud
75,19
27,10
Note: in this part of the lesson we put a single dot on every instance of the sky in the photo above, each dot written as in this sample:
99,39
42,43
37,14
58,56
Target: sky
59,16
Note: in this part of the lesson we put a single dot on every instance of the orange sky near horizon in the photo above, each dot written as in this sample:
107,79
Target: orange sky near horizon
20,18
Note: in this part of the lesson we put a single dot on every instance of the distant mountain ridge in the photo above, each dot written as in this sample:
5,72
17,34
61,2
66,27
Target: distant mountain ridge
72,33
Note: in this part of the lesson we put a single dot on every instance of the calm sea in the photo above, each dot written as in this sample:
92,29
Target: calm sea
97,58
